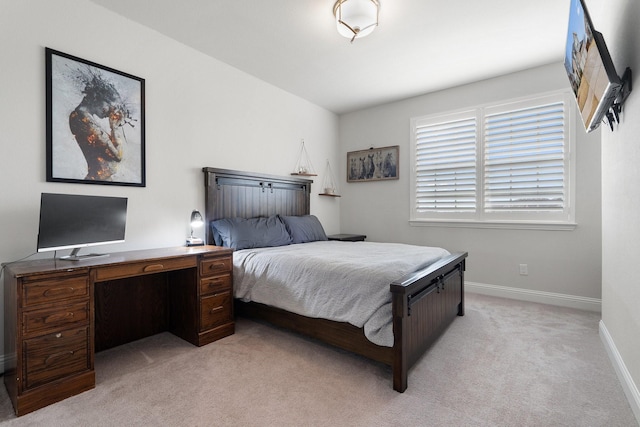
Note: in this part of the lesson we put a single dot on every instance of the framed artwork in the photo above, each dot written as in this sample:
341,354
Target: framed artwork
95,123
374,164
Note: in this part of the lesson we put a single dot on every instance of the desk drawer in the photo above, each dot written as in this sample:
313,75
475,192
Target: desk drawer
215,310
54,289
211,266
210,285
40,320
145,267
56,355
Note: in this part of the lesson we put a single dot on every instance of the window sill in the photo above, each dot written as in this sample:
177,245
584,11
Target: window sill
509,225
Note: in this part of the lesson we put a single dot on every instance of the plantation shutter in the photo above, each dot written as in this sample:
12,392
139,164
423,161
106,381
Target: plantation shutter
524,159
445,162
501,165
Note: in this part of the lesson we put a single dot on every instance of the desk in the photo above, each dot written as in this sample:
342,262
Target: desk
57,314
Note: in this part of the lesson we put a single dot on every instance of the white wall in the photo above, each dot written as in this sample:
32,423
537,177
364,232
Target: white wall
619,21
199,112
559,262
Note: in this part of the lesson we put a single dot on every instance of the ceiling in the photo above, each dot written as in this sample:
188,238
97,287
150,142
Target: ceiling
420,46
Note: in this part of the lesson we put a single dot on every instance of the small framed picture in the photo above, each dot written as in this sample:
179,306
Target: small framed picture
374,164
95,123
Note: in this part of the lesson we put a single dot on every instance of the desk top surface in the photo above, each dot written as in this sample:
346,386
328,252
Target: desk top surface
49,265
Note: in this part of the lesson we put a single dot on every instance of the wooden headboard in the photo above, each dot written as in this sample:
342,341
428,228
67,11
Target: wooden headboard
237,194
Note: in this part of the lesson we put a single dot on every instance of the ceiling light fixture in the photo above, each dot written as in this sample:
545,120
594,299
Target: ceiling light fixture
356,18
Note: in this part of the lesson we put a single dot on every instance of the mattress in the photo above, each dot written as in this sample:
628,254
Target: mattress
339,281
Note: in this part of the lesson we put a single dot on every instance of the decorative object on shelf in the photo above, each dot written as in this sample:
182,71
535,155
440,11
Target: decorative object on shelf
303,165
95,123
356,18
196,222
374,164
329,187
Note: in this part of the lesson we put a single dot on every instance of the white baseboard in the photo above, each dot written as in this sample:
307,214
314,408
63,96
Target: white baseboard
629,387
562,300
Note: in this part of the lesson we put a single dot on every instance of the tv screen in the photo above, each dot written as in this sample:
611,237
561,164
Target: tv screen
71,221
592,75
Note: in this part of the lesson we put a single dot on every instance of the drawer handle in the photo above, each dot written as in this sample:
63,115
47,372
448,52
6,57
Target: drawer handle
58,291
153,267
55,357
216,266
58,317
217,294
213,310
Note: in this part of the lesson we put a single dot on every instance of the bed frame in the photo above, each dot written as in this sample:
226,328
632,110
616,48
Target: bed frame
424,302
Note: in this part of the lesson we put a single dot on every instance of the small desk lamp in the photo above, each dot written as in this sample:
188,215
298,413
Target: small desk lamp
196,222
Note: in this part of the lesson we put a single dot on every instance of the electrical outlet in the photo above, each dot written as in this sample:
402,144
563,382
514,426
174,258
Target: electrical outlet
524,270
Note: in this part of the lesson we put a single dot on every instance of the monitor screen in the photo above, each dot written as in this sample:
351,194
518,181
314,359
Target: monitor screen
75,221
591,72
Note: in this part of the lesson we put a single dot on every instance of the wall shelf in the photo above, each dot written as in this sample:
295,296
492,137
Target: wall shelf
329,187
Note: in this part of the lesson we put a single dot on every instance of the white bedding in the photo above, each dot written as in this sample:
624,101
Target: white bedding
341,281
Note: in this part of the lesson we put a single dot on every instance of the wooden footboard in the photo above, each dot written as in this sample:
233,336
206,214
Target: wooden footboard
424,304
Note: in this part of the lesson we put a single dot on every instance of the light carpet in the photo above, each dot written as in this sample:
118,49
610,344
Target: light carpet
505,363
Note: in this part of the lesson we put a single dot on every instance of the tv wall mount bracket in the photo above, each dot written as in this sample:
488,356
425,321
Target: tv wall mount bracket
613,115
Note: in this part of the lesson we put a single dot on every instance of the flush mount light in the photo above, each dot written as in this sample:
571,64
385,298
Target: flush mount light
356,18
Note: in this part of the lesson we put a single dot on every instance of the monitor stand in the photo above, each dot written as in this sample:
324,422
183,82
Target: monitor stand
73,256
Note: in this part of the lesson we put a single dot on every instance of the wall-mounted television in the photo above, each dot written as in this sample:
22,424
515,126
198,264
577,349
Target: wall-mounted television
591,72
73,221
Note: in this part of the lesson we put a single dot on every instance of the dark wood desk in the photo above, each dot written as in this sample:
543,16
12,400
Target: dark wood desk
57,314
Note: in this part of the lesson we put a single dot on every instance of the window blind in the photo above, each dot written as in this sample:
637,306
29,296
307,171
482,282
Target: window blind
524,160
445,163
505,164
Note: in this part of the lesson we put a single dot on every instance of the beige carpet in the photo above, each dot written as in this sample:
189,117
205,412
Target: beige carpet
506,363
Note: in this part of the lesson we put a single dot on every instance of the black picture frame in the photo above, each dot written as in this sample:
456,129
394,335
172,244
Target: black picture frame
95,123
374,164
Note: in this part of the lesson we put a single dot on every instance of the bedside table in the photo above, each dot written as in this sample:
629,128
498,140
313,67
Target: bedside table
347,237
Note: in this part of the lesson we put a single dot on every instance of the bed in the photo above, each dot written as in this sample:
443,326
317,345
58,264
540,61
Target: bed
422,302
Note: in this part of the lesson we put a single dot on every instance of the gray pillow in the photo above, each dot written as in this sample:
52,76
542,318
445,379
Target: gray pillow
243,233
303,229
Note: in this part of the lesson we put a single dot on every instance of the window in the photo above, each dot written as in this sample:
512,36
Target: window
507,165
